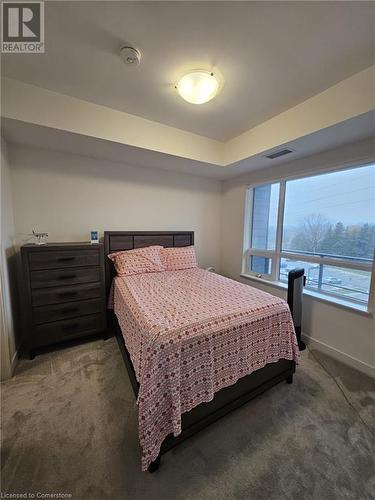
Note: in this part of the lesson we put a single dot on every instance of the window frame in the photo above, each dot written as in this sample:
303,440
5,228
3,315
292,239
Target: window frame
277,254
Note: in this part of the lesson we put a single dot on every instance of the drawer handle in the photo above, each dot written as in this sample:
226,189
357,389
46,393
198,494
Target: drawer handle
68,294
72,326
69,310
65,259
67,276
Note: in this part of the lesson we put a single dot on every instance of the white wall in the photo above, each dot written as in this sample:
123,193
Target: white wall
69,195
8,269
344,334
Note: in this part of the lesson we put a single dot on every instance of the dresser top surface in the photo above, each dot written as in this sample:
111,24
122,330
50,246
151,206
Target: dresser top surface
62,245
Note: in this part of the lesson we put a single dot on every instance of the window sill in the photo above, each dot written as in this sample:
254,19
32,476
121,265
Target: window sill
357,308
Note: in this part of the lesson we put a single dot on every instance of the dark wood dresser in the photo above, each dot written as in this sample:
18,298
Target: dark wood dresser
64,293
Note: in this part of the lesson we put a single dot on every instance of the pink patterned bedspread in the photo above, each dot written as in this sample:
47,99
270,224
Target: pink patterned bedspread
190,333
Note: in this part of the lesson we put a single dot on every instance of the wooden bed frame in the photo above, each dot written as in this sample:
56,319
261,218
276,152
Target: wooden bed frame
225,400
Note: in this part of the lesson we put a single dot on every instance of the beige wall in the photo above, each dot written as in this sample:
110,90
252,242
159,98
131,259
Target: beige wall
344,334
7,267
69,195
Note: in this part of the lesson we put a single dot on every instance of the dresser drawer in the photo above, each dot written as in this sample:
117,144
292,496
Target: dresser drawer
56,295
56,277
63,258
68,329
55,312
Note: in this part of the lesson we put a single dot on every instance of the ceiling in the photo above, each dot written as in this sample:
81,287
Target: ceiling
273,55
16,132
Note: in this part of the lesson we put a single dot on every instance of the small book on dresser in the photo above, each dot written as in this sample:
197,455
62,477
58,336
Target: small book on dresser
64,293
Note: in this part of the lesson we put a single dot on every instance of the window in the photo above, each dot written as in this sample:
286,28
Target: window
324,223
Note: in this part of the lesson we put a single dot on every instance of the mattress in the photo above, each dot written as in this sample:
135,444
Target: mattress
190,333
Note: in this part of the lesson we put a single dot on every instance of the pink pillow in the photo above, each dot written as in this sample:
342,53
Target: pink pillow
137,261
178,258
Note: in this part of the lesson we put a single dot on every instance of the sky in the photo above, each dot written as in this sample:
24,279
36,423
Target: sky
347,196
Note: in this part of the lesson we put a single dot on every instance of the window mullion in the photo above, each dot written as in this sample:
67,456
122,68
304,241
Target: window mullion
279,232
249,212
248,217
371,300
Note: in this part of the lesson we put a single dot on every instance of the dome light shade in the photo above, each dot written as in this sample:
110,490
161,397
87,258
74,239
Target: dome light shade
198,87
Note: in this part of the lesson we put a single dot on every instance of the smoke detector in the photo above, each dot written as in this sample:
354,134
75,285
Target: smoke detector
130,56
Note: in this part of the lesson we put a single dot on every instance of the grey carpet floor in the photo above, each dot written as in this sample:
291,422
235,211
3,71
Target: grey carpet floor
69,425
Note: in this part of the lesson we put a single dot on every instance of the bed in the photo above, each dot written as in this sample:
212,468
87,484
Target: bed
196,345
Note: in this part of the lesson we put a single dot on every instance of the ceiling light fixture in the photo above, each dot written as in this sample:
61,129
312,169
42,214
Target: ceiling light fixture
198,86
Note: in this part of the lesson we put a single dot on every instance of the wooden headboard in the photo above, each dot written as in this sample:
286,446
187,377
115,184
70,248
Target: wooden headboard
114,241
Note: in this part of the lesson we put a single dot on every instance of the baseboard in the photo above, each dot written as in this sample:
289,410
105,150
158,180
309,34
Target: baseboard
340,356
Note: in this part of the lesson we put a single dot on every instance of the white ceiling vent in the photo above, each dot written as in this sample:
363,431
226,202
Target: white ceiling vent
280,152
